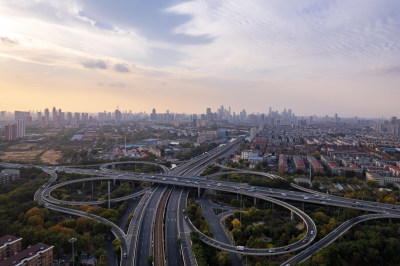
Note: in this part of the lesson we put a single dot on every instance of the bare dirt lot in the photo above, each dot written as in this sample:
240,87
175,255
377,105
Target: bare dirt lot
51,156
22,147
20,156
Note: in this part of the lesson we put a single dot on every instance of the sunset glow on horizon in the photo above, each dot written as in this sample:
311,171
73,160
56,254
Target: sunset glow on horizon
315,57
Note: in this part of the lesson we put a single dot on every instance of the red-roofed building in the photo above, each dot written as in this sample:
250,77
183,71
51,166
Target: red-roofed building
282,163
315,165
395,170
298,163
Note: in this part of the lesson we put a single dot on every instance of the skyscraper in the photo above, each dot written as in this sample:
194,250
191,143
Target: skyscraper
10,131
153,115
54,114
118,115
20,128
46,116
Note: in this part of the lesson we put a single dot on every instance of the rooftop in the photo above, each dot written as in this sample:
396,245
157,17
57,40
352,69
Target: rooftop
7,239
30,252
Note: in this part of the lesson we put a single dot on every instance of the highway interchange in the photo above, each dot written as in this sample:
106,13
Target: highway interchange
137,243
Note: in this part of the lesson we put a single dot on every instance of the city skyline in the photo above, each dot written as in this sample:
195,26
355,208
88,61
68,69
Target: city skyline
269,111
316,57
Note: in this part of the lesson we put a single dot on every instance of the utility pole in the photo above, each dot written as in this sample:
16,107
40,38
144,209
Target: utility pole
125,145
108,194
240,206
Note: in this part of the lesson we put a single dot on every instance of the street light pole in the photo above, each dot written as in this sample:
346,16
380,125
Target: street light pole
240,208
72,241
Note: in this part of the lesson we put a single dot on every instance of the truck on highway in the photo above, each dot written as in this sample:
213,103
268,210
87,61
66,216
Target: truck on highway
240,248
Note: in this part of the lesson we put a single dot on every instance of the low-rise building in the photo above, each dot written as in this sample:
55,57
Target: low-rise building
255,159
163,142
298,163
395,170
8,175
245,155
315,165
38,254
9,246
282,163
382,180
155,151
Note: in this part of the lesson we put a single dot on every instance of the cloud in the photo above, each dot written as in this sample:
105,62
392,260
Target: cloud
311,35
122,68
117,84
95,64
8,41
385,70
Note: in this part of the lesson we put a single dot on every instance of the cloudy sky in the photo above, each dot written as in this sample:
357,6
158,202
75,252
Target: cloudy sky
316,57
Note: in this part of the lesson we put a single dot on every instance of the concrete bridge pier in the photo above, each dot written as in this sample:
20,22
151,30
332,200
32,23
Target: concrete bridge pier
198,192
291,215
255,201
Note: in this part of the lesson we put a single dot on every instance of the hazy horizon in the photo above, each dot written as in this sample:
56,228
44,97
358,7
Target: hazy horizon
315,57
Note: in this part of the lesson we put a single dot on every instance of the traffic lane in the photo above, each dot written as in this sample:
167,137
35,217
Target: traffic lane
173,256
306,240
216,228
182,206
144,240
332,236
191,182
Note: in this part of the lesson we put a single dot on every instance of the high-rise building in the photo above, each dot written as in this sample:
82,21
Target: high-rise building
61,116
153,115
77,118
10,131
69,118
102,116
118,115
46,116
208,114
20,128
54,114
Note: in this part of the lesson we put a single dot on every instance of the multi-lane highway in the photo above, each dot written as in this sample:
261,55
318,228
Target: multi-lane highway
144,242
171,234
332,236
258,192
137,244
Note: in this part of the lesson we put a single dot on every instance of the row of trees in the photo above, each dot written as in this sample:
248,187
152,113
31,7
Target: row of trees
23,217
207,255
257,180
262,229
377,243
193,211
